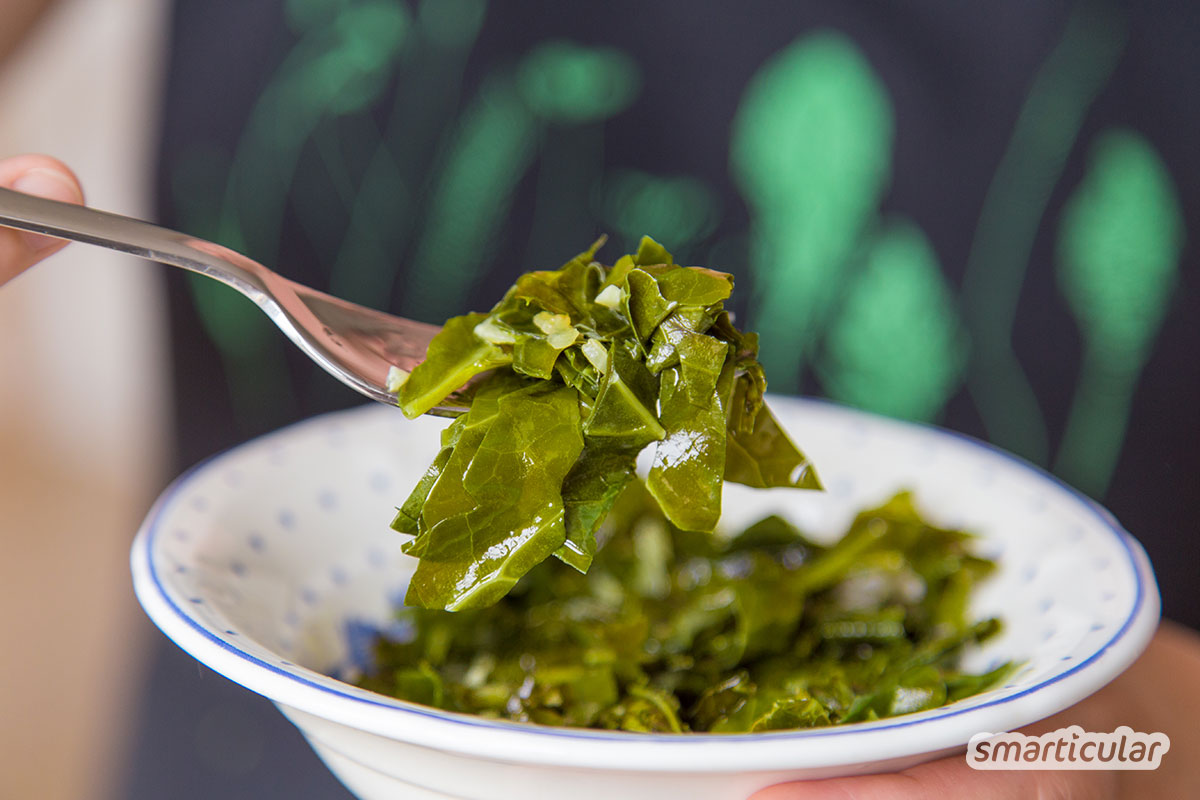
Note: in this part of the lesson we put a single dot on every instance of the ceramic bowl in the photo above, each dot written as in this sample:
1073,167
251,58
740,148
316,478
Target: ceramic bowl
273,563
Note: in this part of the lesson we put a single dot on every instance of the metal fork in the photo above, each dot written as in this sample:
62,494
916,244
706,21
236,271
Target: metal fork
355,344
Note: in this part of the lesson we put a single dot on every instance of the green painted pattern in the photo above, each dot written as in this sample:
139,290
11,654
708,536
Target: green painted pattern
387,206
1014,208
493,147
811,151
345,54
895,346
497,141
573,91
562,81
839,293
681,210
1118,248
452,24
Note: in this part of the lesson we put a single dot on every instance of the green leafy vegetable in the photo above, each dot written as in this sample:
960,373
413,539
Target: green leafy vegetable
667,627
506,513
674,631
573,373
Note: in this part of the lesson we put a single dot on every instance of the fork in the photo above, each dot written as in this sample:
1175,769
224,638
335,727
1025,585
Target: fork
357,345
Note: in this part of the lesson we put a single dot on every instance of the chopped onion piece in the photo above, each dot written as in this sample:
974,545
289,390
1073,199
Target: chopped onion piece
610,297
594,352
395,379
491,332
560,333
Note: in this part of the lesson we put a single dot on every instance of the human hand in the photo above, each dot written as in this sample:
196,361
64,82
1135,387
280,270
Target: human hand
43,176
1160,692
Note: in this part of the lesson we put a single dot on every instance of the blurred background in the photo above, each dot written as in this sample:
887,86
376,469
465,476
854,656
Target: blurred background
982,217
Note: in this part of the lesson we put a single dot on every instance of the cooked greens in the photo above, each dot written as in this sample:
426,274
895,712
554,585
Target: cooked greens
575,371
675,631
669,627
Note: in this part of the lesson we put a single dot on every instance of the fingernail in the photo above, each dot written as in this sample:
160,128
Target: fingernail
48,183
52,185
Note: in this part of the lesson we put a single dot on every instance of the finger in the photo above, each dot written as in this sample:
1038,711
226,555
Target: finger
949,777
45,177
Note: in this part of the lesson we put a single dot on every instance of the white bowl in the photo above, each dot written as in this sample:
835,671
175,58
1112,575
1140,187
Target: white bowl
269,562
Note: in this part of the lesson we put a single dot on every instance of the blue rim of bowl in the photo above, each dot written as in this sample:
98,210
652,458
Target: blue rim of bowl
150,529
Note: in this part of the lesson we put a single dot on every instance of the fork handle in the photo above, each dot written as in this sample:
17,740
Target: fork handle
127,235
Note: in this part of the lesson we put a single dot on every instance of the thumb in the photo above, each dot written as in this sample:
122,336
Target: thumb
949,777
45,177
